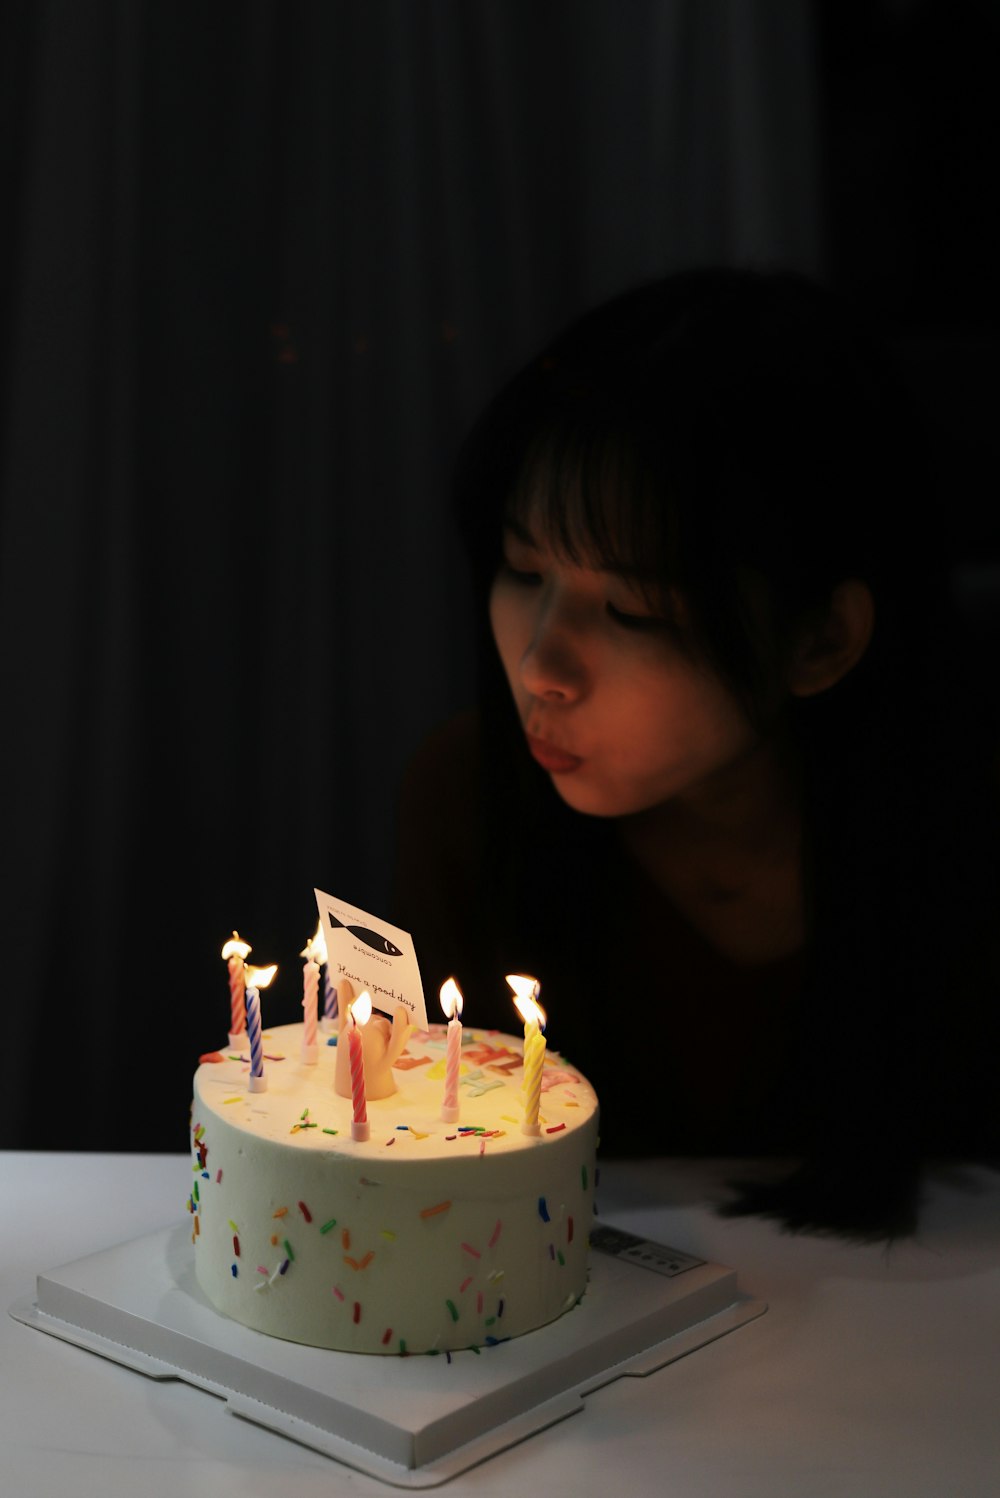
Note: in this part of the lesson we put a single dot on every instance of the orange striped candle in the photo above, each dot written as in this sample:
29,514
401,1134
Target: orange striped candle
359,1014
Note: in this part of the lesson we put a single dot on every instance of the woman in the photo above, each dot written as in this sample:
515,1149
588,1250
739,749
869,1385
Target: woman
713,796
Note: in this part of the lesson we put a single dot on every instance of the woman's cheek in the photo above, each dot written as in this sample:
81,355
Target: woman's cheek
511,629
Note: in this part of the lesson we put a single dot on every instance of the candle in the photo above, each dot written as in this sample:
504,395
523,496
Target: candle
329,988
256,979
310,990
234,954
451,1003
526,992
359,1013
329,998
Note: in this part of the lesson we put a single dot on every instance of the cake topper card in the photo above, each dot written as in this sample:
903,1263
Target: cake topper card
373,955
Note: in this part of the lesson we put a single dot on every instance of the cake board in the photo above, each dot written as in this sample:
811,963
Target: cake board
415,1421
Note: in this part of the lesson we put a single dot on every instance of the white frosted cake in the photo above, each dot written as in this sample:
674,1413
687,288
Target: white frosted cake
429,1236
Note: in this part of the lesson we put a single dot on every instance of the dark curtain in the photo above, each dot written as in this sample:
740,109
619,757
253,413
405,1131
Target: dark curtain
262,263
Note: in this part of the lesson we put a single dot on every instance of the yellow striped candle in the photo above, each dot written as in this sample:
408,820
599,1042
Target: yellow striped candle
525,995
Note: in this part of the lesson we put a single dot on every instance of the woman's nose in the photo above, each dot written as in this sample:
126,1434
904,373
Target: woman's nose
553,667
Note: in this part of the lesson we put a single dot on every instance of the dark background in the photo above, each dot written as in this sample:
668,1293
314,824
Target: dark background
261,264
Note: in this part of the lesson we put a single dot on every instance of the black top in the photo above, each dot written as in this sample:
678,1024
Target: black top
690,1052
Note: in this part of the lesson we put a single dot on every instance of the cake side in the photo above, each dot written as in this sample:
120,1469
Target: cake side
429,1237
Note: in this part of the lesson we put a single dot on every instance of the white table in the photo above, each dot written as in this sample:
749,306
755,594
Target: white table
874,1373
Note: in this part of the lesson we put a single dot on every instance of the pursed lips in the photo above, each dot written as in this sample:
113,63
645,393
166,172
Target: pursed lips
557,761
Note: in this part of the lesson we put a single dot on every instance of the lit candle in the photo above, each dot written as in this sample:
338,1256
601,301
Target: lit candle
359,1013
235,954
329,988
526,994
310,991
256,979
451,1003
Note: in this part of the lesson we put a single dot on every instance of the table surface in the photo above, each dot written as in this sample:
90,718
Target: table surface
875,1372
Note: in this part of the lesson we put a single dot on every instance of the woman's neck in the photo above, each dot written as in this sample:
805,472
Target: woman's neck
727,855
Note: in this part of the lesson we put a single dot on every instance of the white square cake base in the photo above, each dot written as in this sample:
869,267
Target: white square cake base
411,1421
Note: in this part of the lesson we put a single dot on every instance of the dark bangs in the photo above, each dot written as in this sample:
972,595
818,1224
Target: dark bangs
621,474
728,438
593,490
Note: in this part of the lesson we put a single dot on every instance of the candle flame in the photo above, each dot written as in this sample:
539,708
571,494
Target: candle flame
451,998
315,948
236,947
361,1009
530,1012
526,991
260,977
318,944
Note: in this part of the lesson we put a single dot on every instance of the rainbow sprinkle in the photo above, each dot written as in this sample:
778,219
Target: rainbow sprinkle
433,1211
543,1210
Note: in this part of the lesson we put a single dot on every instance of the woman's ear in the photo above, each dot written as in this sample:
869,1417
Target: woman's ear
828,650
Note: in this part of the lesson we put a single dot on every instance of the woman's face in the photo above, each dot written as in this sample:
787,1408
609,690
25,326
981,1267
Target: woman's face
614,709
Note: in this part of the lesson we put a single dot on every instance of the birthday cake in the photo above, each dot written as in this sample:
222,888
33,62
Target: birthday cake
425,1237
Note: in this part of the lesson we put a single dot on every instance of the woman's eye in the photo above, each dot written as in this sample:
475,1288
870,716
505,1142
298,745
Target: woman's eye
520,575
635,621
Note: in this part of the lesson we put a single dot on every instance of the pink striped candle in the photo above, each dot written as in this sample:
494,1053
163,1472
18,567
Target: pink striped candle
359,1014
310,1004
235,953
451,1003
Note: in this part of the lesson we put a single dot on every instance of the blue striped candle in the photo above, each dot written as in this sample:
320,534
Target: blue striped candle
329,996
258,1081
257,978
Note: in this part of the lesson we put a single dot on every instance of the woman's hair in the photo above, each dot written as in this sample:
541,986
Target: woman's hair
722,429
742,438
